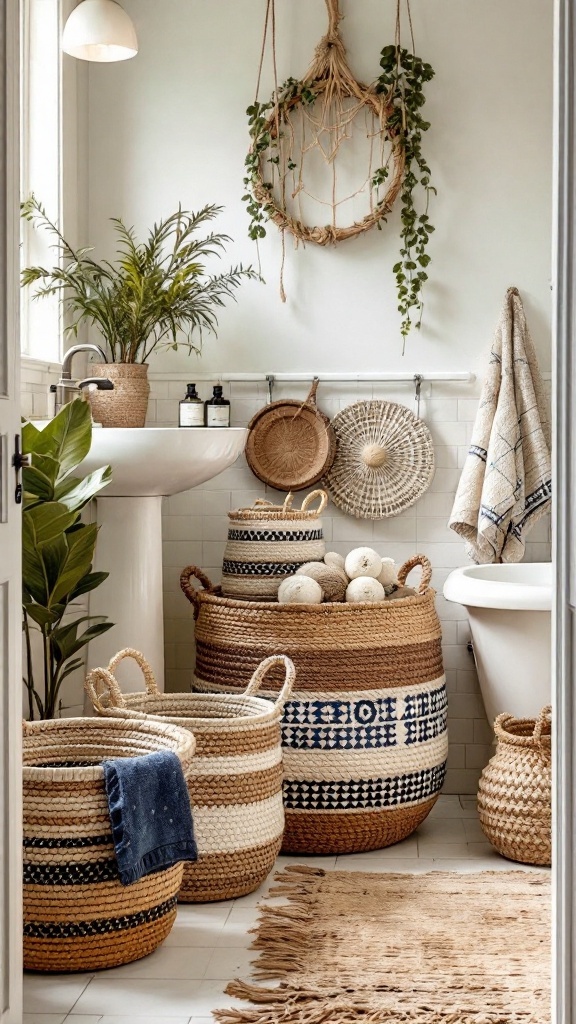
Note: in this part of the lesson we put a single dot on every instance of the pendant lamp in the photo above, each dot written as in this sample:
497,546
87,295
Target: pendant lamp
99,30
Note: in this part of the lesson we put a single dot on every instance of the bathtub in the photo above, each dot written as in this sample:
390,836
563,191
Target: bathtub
509,607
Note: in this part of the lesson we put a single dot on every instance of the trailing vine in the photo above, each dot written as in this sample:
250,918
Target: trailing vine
394,103
402,80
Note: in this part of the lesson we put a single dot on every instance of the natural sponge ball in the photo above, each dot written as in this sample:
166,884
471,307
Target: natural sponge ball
363,562
300,590
388,575
332,580
335,560
364,588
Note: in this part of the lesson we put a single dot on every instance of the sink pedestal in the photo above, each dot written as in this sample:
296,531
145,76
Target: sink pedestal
129,547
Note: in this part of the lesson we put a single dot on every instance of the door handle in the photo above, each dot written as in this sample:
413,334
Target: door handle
19,460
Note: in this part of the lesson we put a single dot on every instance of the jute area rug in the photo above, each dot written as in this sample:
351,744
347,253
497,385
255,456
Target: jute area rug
439,948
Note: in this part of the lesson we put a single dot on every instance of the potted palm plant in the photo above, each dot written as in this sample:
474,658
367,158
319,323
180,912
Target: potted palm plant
155,294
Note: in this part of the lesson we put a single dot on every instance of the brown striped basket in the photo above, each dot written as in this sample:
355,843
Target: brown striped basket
515,791
235,782
364,733
268,542
77,915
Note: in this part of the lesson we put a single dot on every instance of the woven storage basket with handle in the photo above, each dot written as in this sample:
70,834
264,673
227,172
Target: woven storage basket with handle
77,915
235,782
515,791
268,542
364,734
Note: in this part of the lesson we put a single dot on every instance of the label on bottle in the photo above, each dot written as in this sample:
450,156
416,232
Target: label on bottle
217,415
192,414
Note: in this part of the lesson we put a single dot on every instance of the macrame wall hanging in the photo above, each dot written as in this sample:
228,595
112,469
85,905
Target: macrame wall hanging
329,156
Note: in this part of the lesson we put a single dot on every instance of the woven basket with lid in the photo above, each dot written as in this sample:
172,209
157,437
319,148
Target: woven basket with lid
235,781
268,542
364,733
515,791
77,914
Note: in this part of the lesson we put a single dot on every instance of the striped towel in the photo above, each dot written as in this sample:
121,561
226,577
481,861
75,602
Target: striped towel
505,485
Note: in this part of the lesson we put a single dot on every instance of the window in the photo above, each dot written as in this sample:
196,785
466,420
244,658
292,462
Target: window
41,163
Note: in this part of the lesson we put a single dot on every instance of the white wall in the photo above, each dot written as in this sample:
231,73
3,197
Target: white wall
169,126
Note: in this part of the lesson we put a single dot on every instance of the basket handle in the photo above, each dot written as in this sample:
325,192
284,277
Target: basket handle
310,498
405,569
194,595
311,398
149,679
262,670
544,718
99,683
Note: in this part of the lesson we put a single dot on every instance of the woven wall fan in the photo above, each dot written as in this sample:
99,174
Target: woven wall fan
384,460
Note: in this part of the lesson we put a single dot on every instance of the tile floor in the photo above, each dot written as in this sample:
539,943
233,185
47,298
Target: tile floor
184,980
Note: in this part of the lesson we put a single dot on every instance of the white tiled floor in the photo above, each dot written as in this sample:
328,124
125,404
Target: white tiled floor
184,980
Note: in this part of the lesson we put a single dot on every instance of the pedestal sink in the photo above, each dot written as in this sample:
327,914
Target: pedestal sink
146,465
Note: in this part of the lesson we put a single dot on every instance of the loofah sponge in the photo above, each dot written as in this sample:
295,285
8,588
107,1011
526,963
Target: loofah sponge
300,590
332,579
364,588
363,562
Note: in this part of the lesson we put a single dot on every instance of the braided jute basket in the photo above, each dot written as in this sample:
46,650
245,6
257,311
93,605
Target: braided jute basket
77,915
515,791
267,543
235,781
364,734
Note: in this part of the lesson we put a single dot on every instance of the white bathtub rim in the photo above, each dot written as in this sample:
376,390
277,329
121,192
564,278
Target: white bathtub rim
463,586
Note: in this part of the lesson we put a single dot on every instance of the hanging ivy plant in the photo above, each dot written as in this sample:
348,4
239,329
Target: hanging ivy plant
402,79
394,102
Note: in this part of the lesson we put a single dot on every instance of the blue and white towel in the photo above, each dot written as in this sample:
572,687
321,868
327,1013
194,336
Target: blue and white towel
505,485
150,813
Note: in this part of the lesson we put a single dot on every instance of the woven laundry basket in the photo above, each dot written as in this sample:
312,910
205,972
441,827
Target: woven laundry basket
515,791
268,542
364,734
77,915
235,782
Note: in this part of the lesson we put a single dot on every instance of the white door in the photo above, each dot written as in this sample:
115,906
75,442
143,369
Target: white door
10,583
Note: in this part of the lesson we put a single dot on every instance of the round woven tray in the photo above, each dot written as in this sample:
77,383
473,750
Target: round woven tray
290,444
384,460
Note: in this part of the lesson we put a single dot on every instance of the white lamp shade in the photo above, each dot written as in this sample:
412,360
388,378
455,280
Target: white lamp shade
99,30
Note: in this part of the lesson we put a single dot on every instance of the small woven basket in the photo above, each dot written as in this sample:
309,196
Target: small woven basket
364,733
77,915
268,542
515,791
127,404
235,781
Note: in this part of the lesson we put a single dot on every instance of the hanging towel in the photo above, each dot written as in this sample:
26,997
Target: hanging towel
150,813
505,485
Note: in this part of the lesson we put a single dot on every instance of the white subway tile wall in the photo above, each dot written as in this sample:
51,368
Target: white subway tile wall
195,526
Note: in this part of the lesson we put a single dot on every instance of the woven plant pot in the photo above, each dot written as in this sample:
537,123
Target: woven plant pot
127,404
77,915
235,781
364,734
515,794
267,543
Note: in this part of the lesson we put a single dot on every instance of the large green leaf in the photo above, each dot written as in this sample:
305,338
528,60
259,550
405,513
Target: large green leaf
30,435
68,436
46,522
88,582
39,477
78,561
75,492
66,640
45,616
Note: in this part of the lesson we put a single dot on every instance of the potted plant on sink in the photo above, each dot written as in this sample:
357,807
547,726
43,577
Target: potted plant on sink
156,294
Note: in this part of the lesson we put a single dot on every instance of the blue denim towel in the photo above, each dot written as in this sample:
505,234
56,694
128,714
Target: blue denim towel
150,813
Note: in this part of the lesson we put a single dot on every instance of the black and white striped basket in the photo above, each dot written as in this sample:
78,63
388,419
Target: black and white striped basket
268,542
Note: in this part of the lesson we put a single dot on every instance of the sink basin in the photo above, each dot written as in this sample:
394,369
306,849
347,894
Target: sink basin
158,461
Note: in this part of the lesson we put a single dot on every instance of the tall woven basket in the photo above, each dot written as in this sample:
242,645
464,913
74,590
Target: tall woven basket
77,915
235,782
268,542
364,734
515,791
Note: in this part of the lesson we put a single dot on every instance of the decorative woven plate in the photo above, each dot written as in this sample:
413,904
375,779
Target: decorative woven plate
290,444
384,460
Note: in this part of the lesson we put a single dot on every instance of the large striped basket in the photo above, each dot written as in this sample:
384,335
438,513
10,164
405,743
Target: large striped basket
365,740
235,782
77,915
268,542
